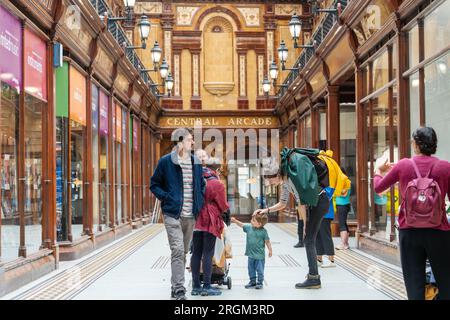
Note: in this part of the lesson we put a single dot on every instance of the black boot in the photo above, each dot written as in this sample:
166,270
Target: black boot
300,244
311,282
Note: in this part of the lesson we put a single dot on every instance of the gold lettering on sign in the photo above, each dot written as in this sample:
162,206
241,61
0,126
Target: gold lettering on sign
221,121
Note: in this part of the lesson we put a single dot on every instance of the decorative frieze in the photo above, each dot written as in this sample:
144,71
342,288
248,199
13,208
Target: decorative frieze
270,50
185,15
288,9
168,46
148,8
251,16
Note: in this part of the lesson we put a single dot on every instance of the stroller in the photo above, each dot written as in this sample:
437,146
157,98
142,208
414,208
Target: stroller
220,267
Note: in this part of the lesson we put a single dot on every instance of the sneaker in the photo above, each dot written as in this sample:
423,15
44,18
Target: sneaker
327,263
180,295
341,247
300,244
250,285
311,282
259,286
196,291
211,292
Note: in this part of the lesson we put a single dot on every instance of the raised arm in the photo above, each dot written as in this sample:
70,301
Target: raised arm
383,183
240,224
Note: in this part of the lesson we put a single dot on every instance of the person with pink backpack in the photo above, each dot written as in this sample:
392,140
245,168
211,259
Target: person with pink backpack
424,231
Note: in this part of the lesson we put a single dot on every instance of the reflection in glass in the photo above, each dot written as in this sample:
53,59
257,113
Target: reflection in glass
9,131
95,160
380,71
104,182
118,182
62,211
437,30
347,135
413,43
76,175
33,173
308,132
437,95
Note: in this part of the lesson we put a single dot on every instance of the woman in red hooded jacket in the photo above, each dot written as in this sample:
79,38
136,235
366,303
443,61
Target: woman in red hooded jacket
208,227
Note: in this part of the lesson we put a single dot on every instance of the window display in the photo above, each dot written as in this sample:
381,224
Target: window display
10,83
103,162
95,159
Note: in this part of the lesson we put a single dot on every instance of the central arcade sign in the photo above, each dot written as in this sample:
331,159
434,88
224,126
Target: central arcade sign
220,122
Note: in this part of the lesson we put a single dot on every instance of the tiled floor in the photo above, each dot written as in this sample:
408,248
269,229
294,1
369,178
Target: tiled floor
145,274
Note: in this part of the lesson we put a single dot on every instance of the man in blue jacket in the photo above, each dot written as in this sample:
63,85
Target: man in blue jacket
178,182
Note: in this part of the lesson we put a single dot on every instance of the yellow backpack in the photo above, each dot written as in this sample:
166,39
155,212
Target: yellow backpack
338,180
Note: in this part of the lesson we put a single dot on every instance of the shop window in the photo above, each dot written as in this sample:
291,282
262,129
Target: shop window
437,30
437,113
308,132
380,71
413,44
347,124
9,130
323,129
33,173
77,136
414,106
95,159
103,162
118,163
125,152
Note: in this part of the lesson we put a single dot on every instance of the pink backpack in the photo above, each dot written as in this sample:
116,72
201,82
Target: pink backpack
423,201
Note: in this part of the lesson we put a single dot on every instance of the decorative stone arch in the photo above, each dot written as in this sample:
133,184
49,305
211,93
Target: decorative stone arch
221,11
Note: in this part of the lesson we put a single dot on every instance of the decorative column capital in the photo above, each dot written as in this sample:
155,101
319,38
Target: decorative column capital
167,22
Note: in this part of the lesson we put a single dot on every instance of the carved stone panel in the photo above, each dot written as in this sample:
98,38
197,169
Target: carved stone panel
176,60
288,9
122,83
168,46
185,15
242,76
260,74
251,16
148,8
195,74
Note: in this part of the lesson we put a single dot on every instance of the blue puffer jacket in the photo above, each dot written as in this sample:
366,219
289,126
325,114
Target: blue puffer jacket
167,185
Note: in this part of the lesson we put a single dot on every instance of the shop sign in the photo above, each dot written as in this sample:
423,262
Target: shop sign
118,123
231,122
10,49
103,114
135,134
35,65
62,90
77,96
94,107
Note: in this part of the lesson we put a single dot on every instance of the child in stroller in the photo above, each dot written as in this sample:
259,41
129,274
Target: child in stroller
220,267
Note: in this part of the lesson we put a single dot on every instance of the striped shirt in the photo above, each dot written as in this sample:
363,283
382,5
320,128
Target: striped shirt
287,188
188,186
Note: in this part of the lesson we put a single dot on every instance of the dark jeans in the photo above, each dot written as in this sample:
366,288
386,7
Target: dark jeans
343,213
416,245
203,251
324,241
256,266
314,218
300,226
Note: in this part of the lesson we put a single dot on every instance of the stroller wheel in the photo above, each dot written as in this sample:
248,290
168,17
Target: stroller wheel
229,283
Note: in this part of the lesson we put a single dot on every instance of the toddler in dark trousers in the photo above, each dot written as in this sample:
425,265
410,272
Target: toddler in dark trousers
257,239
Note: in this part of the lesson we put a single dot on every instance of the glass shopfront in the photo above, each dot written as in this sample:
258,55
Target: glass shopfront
429,74
95,158
35,104
34,86
11,81
103,162
380,107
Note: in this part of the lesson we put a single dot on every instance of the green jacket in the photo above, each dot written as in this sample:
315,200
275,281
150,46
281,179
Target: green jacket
302,173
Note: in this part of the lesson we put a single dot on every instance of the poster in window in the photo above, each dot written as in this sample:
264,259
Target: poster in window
35,65
10,49
103,114
77,96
